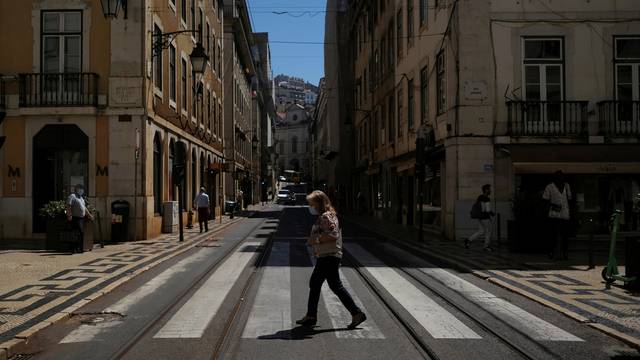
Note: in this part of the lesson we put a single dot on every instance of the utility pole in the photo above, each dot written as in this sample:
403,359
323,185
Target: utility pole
421,142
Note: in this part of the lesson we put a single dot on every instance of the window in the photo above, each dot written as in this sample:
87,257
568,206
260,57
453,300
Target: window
410,22
543,74
157,173
441,100
423,12
294,145
399,34
410,102
183,85
201,33
424,92
193,15
220,120
157,63
172,73
208,35
194,94
62,49
208,119
399,100
627,76
183,11
391,108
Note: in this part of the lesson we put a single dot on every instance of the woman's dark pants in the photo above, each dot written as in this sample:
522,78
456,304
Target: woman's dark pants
327,269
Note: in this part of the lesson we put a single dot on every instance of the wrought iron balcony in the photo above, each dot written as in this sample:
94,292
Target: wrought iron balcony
619,118
58,89
547,118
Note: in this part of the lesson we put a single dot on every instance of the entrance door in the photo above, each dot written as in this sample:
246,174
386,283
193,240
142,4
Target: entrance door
59,163
543,88
627,92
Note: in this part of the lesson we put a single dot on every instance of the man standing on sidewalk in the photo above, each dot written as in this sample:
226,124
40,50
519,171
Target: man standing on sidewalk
77,212
202,203
482,212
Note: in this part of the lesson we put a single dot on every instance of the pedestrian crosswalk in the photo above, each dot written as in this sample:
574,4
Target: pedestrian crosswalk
270,310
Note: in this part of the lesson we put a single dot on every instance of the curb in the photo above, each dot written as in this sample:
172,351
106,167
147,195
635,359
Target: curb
631,341
12,347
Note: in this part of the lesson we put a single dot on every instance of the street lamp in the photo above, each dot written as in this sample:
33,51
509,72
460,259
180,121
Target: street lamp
110,8
199,59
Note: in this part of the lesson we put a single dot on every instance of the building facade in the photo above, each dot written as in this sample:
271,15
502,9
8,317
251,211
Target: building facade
504,93
293,144
240,113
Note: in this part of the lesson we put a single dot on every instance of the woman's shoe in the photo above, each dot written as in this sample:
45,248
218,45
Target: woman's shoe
356,320
307,321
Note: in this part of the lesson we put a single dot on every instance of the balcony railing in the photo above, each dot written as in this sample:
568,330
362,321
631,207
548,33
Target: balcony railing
547,118
59,89
619,118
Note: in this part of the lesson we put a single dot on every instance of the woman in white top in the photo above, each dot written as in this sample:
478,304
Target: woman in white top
558,195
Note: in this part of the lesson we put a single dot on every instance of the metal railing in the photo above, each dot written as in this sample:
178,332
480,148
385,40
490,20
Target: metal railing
58,89
619,118
547,118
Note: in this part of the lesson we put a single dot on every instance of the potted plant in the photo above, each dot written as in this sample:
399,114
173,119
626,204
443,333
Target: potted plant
54,212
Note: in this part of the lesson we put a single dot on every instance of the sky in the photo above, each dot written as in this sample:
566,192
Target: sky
303,23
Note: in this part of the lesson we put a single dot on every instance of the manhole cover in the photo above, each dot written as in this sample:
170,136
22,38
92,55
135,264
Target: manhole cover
96,318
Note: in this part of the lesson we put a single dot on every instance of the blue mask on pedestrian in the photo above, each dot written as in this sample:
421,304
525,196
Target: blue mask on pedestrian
313,211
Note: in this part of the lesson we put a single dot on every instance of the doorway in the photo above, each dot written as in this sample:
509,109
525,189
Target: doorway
60,161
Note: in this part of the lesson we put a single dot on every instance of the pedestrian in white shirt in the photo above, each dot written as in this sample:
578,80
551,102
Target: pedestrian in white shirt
201,202
77,212
482,212
558,195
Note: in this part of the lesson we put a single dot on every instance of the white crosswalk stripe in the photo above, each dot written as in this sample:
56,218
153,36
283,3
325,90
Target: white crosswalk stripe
339,314
435,319
194,316
271,311
86,333
522,320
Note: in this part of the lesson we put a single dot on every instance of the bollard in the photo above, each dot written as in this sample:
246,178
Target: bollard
190,219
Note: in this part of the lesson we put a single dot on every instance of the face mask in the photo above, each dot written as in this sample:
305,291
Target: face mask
313,211
80,192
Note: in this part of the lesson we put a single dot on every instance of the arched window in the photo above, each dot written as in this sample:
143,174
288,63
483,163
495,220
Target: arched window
172,158
294,145
157,173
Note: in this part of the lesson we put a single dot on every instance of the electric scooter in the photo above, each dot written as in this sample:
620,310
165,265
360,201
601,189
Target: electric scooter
610,272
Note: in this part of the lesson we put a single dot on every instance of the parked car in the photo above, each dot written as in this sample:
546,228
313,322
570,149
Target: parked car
285,197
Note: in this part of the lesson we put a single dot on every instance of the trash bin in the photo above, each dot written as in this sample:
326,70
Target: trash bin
632,260
230,206
119,221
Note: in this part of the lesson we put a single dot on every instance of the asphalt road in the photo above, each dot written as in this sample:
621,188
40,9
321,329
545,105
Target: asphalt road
240,297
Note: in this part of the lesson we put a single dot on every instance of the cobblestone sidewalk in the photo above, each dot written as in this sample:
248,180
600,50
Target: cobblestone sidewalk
567,286
39,288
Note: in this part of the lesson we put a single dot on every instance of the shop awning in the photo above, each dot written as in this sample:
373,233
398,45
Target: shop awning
577,167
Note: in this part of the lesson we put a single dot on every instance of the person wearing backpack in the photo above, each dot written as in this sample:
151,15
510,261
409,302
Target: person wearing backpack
481,211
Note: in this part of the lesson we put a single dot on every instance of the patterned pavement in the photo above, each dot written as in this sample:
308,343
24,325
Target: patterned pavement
562,285
35,300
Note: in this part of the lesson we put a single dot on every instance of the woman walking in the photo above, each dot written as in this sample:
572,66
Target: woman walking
326,240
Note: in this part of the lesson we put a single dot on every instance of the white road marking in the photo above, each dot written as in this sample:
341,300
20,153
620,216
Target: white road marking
86,333
527,323
436,320
194,316
271,311
339,314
